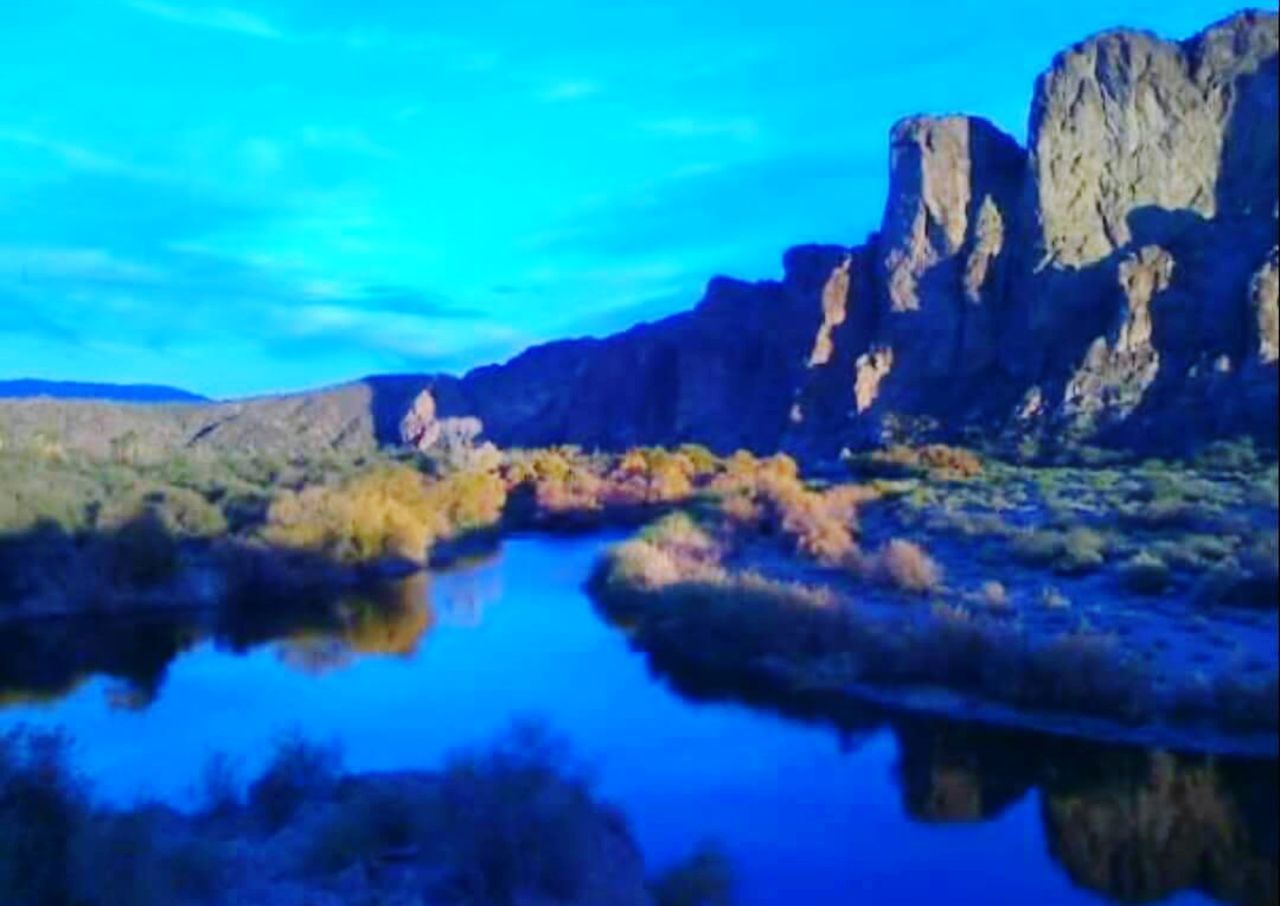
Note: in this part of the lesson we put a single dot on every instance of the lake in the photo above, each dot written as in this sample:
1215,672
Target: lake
868,807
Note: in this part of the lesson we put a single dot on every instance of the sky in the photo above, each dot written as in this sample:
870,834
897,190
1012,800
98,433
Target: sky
263,195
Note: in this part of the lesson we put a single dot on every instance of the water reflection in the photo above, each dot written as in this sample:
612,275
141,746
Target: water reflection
1137,826
1132,825
45,660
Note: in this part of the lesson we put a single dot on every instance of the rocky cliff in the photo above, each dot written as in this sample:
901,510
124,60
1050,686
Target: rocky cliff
1115,280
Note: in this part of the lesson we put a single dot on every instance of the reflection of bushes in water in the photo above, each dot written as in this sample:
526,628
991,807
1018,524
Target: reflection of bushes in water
390,619
961,772
693,680
46,660
393,622
1155,825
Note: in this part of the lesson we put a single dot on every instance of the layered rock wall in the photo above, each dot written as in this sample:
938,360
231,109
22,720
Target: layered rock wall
1114,281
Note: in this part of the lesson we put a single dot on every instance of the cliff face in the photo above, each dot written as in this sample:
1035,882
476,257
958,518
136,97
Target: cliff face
1115,281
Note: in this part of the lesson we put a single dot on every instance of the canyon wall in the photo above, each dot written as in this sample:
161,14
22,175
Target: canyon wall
1114,281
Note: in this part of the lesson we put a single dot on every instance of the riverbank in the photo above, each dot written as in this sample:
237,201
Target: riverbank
1144,614
1122,601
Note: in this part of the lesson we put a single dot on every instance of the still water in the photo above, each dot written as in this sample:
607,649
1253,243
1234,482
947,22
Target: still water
869,808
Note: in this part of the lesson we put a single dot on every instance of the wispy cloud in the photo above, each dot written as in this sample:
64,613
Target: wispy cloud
74,156
28,264
217,18
347,140
735,128
561,90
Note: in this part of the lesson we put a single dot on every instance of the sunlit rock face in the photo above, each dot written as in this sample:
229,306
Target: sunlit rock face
1114,281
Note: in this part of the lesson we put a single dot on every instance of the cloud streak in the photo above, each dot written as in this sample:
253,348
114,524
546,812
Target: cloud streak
735,128
562,90
216,18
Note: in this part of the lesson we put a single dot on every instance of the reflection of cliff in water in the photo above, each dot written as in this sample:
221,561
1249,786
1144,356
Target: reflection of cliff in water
47,659
1151,825
1134,825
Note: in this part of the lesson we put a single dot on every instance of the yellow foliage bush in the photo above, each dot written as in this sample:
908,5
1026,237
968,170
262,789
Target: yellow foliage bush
391,511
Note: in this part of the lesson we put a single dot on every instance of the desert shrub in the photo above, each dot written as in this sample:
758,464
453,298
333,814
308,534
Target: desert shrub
1249,580
1078,550
381,513
42,808
1083,550
299,770
705,878
184,512
1247,704
117,860
1228,456
768,497
1082,672
516,818
1036,547
994,595
702,461
933,460
141,552
367,821
637,565
734,621
905,565
386,511
1169,509
1145,574
681,536
1052,599
577,490
467,501
819,524
1194,552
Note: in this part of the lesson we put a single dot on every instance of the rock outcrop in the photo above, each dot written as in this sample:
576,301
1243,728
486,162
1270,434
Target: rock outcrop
1114,281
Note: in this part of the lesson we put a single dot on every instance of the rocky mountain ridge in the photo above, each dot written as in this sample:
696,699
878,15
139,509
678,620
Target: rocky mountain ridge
1114,281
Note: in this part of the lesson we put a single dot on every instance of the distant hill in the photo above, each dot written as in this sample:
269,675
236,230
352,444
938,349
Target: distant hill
77,390
352,418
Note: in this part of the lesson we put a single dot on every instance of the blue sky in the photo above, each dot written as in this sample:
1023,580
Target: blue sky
260,195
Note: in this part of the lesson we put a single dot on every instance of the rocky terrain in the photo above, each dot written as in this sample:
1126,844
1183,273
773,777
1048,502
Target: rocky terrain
1114,281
